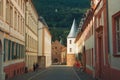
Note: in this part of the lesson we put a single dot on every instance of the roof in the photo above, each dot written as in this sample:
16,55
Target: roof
73,31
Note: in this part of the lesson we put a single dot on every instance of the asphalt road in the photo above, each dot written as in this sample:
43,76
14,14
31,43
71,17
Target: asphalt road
56,73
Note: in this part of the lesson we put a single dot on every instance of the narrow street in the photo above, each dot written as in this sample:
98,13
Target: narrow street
56,72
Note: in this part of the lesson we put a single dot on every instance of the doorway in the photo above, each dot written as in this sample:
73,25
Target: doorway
99,55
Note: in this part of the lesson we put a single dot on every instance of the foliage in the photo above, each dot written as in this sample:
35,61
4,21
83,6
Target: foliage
59,14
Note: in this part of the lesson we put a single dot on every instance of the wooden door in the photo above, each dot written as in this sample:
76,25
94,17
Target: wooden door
101,57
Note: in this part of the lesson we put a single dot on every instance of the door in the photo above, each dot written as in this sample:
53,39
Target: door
99,56
84,59
42,61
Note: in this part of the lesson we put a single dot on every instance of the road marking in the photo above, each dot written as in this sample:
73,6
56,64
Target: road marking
76,74
37,74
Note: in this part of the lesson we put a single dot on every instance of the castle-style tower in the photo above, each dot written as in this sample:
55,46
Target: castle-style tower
71,46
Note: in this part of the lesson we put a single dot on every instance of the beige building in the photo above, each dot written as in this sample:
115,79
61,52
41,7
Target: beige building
31,35
44,44
12,37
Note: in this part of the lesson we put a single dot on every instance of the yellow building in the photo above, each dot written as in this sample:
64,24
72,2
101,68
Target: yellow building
44,45
31,35
12,37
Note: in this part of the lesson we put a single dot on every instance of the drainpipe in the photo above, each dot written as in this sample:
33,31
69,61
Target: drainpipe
109,57
107,24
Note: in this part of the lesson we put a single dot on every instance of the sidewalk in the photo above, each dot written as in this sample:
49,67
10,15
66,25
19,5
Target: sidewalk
26,76
83,75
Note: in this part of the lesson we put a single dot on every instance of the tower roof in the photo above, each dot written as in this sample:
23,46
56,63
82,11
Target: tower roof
73,30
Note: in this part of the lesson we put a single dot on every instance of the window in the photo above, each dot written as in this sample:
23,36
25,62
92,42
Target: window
11,16
12,50
70,49
9,50
8,12
70,41
15,20
116,33
6,50
18,29
1,8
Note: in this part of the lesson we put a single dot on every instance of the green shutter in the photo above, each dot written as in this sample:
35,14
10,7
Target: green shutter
9,49
4,49
17,50
12,50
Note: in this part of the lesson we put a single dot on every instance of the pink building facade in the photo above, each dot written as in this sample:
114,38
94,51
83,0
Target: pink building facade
98,40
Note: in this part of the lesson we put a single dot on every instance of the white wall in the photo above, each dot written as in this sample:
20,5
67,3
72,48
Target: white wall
72,45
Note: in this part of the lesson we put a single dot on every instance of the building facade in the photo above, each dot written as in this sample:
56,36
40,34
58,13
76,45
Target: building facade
85,42
31,35
101,40
63,55
114,38
57,49
12,37
99,35
44,41
71,46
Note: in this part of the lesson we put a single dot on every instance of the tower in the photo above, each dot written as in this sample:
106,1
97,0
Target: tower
71,46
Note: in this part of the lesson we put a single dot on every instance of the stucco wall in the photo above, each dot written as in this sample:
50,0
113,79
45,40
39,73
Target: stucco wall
72,46
40,38
47,47
113,7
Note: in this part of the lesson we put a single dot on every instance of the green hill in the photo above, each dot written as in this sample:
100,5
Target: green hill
59,14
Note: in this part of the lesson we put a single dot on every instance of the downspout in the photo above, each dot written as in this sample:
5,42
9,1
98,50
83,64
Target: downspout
107,24
109,57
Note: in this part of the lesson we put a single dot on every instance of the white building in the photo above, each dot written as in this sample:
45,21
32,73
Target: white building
71,46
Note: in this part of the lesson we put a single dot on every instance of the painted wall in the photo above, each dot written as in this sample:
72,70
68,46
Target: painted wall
115,61
40,38
31,35
14,31
47,47
72,46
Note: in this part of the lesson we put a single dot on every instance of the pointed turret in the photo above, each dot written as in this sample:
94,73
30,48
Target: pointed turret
73,30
